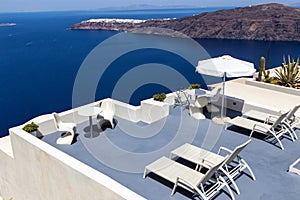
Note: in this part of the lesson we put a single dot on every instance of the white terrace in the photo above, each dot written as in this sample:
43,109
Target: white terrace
33,168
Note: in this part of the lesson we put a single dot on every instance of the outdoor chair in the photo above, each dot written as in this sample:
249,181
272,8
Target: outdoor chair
232,166
201,101
108,113
196,112
213,97
68,127
177,99
291,121
277,130
205,185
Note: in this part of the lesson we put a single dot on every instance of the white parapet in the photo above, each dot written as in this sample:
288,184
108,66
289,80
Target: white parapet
152,110
40,171
30,167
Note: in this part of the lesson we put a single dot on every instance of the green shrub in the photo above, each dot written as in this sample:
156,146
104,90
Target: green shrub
159,97
194,86
30,127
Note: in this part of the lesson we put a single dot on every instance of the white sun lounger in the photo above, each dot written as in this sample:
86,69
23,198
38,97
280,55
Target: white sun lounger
232,166
188,178
291,121
276,130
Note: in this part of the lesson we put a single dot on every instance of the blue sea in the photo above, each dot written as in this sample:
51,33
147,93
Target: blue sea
40,59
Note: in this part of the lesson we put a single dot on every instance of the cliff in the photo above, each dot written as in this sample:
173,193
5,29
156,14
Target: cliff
263,22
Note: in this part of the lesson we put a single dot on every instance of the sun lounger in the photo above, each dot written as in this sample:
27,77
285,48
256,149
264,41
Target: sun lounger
276,130
291,121
232,165
188,178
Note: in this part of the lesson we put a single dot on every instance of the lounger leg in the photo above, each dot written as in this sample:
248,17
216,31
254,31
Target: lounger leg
171,156
228,188
290,131
279,142
294,133
251,133
249,169
145,172
175,186
201,194
231,180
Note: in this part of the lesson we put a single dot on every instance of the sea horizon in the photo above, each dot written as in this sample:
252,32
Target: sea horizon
126,9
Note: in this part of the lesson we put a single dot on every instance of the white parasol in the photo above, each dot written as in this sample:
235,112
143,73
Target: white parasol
225,66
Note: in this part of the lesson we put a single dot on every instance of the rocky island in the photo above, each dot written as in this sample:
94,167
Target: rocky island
272,22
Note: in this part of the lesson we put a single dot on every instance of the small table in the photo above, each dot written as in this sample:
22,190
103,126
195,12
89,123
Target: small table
195,93
90,112
200,92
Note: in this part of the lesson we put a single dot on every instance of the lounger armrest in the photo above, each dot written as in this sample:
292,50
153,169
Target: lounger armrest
224,149
206,163
271,118
255,125
183,181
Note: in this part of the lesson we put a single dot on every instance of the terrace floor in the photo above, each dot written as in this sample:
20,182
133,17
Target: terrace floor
122,154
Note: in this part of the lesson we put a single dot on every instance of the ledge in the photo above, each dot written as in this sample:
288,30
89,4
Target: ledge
5,146
277,88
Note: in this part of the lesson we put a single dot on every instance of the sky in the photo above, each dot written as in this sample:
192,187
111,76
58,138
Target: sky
58,5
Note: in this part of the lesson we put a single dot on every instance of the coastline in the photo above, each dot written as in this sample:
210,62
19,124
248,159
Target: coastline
266,22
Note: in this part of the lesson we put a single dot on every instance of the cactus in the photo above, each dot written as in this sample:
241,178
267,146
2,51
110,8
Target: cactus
261,68
289,74
267,77
263,74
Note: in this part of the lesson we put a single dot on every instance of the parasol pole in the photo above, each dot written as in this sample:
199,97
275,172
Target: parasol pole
223,96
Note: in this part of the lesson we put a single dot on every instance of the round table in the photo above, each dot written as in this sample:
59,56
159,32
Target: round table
90,112
194,93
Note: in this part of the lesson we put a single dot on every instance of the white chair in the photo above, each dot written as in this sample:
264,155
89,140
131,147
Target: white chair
190,179
233,164
201,101
213,97
181,98
108,113
196,112
69,128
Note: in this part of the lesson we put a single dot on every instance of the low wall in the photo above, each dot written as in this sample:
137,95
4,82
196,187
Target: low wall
277,88
126,111
152,110
40,171
32,169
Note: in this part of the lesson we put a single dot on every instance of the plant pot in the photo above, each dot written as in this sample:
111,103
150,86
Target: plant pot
35,133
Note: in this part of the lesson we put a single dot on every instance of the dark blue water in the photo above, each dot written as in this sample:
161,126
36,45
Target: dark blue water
39,60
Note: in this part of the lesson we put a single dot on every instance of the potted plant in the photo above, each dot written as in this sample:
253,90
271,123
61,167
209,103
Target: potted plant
159,97
195,86
31,128
289,74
